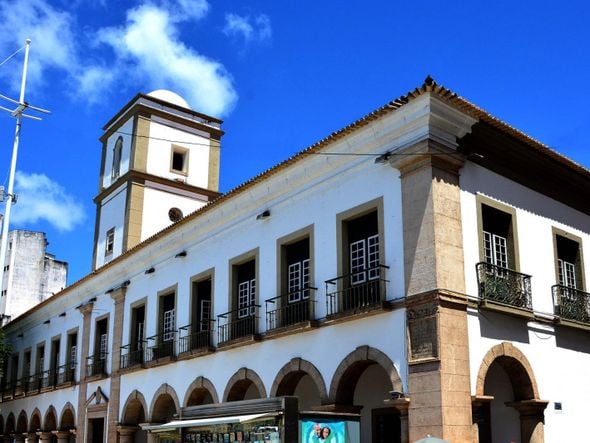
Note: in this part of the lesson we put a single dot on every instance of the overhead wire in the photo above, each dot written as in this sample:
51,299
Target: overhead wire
11,55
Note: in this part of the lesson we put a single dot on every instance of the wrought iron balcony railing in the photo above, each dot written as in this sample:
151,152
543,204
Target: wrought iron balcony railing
49,378
571,304
505,286
132,356
193,337
242,322
356,291
291,309
160,346
66,373
96,364
33,383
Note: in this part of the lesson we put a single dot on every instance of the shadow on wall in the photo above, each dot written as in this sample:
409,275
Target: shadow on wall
572,339
503,327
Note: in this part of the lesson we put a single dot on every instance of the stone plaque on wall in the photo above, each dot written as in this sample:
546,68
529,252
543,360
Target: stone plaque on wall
422,332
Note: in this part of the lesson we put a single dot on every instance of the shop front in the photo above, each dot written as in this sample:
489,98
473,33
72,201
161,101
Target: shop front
274,420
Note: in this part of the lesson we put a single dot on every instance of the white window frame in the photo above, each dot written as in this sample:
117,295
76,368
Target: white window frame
495,249
168,325
246,298
298,281
364,259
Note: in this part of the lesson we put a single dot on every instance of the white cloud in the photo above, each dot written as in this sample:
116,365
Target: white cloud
51,32
249,28
40,198
149,46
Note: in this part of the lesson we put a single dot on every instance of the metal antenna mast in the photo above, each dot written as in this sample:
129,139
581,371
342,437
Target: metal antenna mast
18,113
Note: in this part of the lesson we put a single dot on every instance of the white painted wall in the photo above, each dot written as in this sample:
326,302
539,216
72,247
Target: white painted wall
165,134
157,203
125,131
557,355
112,214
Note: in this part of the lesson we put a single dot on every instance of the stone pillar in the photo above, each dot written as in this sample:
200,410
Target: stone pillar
532,419
114,401
19,439
86,311
401,405
152,437
62,436
31,437
44,437
438,354
126,433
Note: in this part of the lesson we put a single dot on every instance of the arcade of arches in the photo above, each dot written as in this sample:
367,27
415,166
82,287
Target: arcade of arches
506,406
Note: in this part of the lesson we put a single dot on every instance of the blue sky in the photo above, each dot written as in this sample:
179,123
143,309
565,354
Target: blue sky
282,75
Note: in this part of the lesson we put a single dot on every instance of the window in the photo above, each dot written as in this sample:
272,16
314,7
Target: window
569,262
174,214
109,242
498,238
101,340
297,270
117,155
179,160
40,359
137,328
363,248
27,364
167,323
54,363
14,368
72,350
201,305
245,289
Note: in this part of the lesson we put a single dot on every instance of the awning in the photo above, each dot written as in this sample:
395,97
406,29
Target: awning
206,421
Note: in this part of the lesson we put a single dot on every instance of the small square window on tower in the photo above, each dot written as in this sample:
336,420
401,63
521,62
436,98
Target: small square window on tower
179,160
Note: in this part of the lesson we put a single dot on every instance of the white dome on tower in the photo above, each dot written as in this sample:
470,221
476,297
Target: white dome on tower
170,97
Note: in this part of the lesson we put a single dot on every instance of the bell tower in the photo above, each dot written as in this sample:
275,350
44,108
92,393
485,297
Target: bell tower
160,162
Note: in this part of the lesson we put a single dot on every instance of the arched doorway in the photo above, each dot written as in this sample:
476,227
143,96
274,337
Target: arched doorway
10,424
67,422
165,405
301,379
200,392
134,413
22,423
244,385
50,424
35,424
507,405
363,382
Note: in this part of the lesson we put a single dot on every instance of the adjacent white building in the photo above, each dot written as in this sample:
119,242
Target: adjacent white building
31,274
431,282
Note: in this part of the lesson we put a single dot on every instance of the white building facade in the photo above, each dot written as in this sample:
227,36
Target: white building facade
427,283
31,274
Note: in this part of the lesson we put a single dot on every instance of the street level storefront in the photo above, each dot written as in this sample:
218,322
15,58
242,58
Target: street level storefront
274,420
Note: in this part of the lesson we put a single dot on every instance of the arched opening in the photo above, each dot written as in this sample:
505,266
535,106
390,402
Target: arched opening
10,424
363,382
35,424
165,404
301,379
507,405
21,423
200,392
134,413
244,385
68,418
50,422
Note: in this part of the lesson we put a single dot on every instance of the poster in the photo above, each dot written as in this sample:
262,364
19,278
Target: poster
323,431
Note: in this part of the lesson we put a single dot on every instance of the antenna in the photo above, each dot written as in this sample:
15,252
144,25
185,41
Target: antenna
18,113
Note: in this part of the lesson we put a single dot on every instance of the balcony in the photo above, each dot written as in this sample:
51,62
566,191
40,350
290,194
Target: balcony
295,308
238,324
33,383
357,292
504,286
194,339
48,379
96,365
66,374
132,357
160,348
571,304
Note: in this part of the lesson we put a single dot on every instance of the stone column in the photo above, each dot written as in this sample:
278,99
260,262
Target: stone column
438,354
532,419
401,405
62,436
152,437
114,401
19,439
86,311
44,437
126,433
